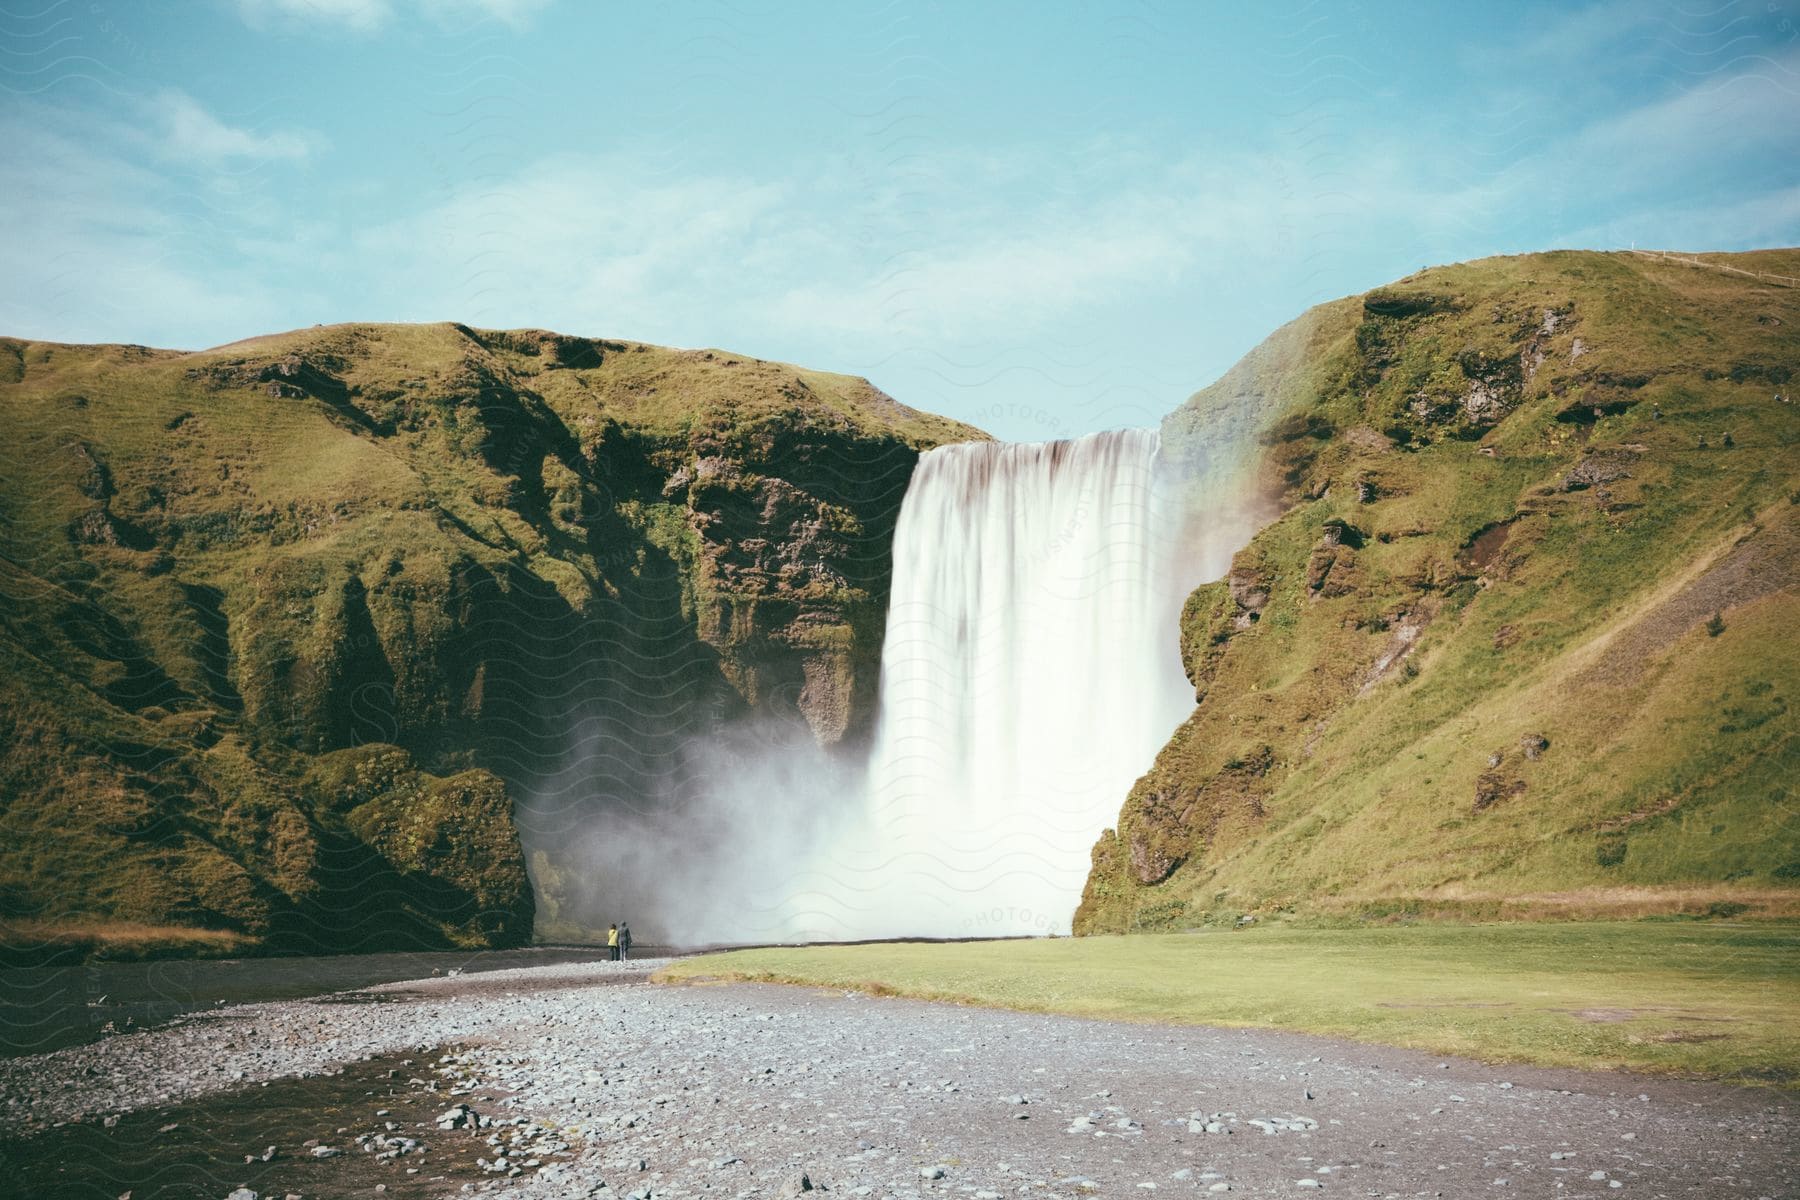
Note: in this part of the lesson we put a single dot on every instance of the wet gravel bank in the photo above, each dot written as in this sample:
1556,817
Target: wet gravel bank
559,1085
44,1008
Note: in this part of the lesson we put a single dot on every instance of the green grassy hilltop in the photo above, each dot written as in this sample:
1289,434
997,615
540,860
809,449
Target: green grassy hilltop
1520,641
288,626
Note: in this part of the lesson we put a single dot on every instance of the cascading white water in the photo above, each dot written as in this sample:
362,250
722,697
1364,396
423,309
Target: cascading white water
1029,675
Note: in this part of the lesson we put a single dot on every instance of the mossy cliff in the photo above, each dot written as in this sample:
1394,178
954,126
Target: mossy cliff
286,626
1520,639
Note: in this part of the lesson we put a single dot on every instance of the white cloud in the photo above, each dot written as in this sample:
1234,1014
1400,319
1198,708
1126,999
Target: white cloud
101,248
976,249
129,225
1762,219
1577,35
1755,105
513,12
186,131
362,15
367,16
611,242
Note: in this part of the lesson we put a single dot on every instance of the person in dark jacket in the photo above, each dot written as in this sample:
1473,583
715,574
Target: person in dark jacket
624,940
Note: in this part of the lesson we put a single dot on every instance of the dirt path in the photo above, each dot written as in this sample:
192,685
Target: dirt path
638,1090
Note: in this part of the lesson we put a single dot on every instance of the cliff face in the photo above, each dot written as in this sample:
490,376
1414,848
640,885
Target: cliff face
1519,641
290,624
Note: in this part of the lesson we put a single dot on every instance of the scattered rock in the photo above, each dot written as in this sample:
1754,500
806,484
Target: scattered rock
1486,402
457,1116
1363,437
1596,469
1330,570
1491,787
1338,532
1249,588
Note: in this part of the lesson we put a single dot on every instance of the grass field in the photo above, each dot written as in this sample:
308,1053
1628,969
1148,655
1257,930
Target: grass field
27,942
1707,999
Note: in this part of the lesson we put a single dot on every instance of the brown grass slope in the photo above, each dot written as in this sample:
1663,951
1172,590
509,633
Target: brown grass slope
1521,641
287,626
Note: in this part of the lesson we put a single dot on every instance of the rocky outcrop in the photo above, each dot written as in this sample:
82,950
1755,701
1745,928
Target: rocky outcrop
1331,568
1597,470
1172,817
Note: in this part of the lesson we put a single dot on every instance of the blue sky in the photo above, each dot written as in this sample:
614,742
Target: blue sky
1045,218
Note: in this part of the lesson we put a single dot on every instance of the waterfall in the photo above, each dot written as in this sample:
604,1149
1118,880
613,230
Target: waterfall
1029,675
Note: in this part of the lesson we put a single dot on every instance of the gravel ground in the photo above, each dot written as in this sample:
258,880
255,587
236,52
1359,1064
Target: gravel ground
638,1091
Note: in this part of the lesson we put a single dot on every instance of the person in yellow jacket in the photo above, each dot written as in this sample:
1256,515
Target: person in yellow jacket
612,941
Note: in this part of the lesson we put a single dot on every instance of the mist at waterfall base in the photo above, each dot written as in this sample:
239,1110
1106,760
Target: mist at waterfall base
1030,673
